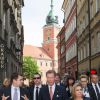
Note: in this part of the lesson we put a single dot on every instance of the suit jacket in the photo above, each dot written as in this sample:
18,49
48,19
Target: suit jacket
92,92
61,84
7,92
31,92
68,91
59,93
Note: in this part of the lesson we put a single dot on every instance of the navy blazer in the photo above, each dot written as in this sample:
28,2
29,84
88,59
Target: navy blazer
92,92
59,93
31,92
7,92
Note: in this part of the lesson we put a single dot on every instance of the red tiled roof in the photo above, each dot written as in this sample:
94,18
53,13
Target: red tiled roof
35,52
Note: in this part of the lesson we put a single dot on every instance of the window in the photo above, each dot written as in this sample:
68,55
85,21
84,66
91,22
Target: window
91,10
97,5
62,49
98,41
46,64
79,55
86,19
93,45
41,63
48,38
4,19
51,64
84,51
87,51
48,49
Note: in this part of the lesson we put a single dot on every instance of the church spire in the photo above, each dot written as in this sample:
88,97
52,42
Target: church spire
51,19
51,4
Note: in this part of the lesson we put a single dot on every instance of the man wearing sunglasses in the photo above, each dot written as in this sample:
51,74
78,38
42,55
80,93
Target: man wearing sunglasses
35,88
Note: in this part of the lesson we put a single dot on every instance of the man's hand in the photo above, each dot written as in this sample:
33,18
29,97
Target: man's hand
4,98
25,97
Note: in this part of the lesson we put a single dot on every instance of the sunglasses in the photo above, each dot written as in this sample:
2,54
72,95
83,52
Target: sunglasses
36,78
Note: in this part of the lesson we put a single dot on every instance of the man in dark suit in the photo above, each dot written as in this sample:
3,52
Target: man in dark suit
52,91
58,80
14,91
84,83
94,88
35,88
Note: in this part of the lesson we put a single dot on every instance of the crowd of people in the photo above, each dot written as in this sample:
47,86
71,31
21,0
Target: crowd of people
84,89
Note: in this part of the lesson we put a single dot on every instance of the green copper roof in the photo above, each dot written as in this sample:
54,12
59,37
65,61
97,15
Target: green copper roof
51,19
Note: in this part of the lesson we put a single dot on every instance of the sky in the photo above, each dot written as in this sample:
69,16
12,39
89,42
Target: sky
33,18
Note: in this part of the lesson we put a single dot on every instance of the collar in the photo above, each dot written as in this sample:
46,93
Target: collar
39,86
58,83
94,84
53,86
13,87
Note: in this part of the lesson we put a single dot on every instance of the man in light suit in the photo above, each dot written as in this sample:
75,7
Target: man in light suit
14,91
52,91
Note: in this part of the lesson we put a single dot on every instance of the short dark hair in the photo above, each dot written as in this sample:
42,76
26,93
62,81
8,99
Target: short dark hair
14,76
37,74
57,74
51,72
70,78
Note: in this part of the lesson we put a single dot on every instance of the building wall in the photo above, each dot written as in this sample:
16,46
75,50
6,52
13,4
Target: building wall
11,36
85,41
69,7
44,66
61,52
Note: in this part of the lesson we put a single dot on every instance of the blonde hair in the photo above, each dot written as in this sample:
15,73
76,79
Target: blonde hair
83,76
6,82
74,87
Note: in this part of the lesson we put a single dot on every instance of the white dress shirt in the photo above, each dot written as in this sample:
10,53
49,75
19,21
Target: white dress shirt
13,90
86,92
97,87
53,88
35,91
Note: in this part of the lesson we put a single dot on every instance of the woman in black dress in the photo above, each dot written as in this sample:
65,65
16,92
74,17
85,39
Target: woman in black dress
69,84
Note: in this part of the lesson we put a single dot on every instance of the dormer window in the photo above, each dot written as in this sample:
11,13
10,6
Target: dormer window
48,38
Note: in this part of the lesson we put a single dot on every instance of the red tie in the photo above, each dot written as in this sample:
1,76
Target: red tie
51,93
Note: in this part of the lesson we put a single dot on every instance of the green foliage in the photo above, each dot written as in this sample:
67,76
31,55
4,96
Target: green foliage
30,67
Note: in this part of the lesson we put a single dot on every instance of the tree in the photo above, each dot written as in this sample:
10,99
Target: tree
30,67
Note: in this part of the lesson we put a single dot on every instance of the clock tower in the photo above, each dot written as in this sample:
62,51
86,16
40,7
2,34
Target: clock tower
50,32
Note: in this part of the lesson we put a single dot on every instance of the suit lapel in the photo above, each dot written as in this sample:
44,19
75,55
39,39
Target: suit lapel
10,93
33,92
21,94
47,91
55,92
92,91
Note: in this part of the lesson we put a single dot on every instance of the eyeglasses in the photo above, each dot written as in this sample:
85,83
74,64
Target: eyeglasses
36,78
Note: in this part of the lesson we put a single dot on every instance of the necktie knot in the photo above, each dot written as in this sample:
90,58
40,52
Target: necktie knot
37,87
15,89
50,87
